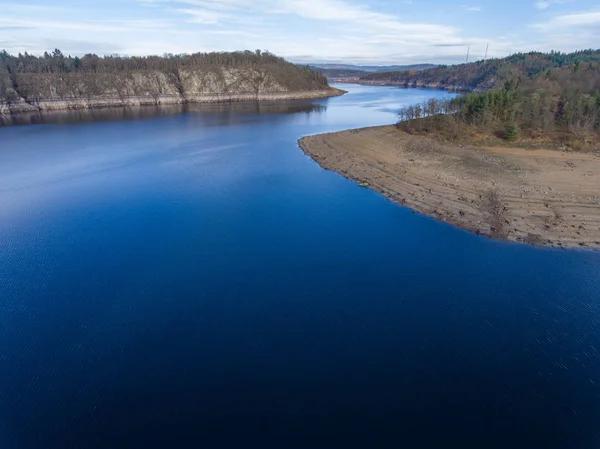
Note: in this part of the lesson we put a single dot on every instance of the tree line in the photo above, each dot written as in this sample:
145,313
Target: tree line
57,62
490,74
27,76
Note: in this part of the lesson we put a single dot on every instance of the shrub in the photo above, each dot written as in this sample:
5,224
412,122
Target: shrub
511,132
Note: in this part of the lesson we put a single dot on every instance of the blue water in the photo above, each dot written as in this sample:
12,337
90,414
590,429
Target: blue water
194,280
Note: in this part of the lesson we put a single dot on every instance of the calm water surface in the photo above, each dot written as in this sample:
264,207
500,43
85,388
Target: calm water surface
194,280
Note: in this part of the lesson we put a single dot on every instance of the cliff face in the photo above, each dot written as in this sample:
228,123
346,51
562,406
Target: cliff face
29,88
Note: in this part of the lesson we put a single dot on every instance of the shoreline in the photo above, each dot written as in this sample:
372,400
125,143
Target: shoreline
74,104
538,197
410,85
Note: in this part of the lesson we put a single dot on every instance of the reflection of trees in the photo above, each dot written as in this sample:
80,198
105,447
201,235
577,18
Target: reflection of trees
255,107
235,110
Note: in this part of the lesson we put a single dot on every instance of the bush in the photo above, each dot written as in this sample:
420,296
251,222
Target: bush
511,132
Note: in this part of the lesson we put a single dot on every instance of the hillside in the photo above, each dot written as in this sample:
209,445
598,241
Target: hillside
483,75
349,71
331,73
560,106
56,81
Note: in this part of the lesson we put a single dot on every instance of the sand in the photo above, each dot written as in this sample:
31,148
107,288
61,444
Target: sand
540,197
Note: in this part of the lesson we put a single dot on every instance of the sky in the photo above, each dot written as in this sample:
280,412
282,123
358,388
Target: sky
349,31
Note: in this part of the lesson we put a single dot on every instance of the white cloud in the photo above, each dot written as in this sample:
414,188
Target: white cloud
202,16
339,11
263,23
544,4
63,25
361,31
583,19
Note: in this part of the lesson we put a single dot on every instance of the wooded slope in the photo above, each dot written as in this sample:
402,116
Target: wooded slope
484,75
56,77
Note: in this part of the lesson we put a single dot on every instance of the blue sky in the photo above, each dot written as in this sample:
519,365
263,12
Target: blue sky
352,31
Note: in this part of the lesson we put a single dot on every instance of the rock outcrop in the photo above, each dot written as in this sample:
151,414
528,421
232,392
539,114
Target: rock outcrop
196,78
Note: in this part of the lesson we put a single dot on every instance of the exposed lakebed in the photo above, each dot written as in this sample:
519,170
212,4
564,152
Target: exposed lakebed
194,279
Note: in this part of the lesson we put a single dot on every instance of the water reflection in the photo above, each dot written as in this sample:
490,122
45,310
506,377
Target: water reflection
145,112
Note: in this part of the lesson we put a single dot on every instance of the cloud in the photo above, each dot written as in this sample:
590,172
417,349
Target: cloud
75,30
575,20
365,31
14,28
106,25
68,46
60,25
202,16
336,11
75,47
292,28
25,8
567,32
544,4
450,44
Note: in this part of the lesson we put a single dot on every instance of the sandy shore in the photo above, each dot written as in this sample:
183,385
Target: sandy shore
540,197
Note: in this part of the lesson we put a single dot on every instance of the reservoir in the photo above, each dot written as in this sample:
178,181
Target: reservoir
189,278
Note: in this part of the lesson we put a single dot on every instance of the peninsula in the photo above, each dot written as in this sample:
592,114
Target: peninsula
543,197
519,161
57,82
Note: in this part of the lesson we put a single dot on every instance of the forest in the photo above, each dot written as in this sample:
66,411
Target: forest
563,104
557,104
484,75
347,71
55,76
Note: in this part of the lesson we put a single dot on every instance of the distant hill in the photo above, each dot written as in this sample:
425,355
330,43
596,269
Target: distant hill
480,75
373,68
339,73
348,71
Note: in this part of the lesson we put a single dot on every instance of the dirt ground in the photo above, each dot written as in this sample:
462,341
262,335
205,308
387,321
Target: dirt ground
539,197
